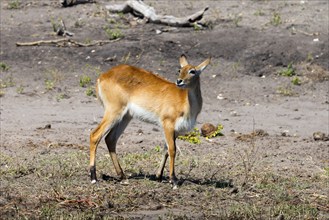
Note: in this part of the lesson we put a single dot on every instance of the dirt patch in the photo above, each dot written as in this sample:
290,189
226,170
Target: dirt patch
269,73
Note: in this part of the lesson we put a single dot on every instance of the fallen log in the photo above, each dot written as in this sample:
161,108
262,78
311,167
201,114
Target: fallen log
139,9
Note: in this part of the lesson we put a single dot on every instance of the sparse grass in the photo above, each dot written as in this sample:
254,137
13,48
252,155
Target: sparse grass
285,91
61,96
283,195
237,19
87,41
125,58
249,157
235,67
133,162
20,89
309,58
276,19
85,81
90,91
113,34
296,81
245,211
259,12
55,24
53,75
326,171
7,82
57,185
14,4
4,66
96,70
79,23
52,78
196,27
157,148
49,84
289,71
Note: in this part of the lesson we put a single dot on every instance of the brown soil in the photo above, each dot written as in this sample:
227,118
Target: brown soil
46,116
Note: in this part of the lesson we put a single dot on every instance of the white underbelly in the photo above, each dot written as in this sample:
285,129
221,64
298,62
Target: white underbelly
184,124
140,113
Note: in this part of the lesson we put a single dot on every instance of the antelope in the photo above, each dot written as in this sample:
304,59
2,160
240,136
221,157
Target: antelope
128,92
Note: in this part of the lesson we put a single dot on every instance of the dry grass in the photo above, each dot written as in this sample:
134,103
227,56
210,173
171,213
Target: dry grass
235,185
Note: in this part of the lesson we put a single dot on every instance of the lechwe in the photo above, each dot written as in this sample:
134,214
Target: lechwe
128,92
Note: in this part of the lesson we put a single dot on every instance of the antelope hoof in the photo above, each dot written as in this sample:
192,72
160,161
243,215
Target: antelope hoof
174,183
93,174
158,178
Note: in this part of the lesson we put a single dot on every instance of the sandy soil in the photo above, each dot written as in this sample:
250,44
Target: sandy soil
250,43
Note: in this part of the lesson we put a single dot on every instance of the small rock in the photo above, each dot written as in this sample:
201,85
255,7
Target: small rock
220,97
234,190
233,113
285,133
155,129
112,58
320,136
156,207
47,126
45,151
133,23
280,217
138,142
207,129
158,31
260,132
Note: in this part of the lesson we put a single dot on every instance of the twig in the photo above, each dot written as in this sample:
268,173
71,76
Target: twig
64,42
86,202
309,34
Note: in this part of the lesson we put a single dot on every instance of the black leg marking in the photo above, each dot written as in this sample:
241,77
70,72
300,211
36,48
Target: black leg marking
93,174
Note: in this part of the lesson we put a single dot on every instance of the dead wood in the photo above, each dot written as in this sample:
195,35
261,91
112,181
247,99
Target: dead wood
140,9
68,3
64,42
60,29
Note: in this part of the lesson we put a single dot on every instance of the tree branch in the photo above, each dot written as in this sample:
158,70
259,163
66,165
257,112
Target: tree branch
64,42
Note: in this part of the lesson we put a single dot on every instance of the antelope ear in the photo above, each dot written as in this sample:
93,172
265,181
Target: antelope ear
182,61
203,65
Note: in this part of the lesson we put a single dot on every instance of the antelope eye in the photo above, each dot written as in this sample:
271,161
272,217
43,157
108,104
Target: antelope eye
192,72
178,71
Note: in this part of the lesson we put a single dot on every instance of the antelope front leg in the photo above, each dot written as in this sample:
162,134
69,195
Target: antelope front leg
170,138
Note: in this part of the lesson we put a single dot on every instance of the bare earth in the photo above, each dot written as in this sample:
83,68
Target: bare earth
280,172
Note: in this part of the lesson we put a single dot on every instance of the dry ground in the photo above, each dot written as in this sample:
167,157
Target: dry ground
46,114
